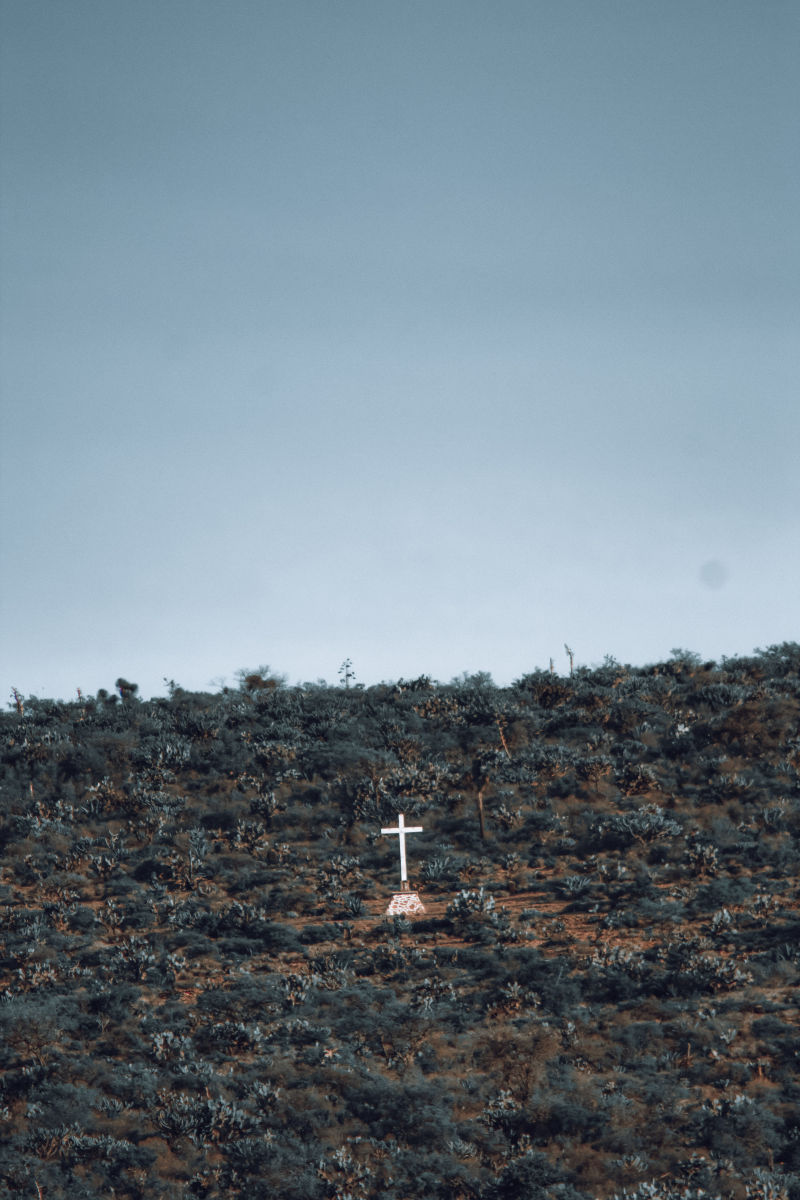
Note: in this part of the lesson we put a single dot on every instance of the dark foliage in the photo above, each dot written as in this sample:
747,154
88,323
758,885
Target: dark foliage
201,995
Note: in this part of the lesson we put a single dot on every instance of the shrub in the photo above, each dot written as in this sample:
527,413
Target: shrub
643,825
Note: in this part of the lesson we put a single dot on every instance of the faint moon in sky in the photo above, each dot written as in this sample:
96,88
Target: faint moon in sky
713,574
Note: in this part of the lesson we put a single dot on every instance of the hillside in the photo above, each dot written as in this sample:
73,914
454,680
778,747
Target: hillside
201,994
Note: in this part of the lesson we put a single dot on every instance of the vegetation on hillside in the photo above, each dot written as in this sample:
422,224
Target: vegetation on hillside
201,994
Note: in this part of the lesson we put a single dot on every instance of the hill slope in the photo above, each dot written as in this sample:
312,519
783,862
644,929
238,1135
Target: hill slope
202,994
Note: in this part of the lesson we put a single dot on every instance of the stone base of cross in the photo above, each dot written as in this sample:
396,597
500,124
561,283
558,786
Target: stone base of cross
404,903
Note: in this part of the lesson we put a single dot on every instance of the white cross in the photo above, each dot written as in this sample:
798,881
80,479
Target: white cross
402,829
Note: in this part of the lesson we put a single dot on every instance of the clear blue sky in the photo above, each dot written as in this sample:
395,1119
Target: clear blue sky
434,333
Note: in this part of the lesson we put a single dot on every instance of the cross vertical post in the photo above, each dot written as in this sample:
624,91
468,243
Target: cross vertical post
401,830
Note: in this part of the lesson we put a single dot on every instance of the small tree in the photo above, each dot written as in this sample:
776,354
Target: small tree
260,679
126,690
480,777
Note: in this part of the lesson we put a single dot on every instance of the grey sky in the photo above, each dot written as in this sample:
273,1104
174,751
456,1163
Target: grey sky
429,334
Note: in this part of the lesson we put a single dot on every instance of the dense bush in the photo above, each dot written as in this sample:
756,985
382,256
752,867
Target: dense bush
201,995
